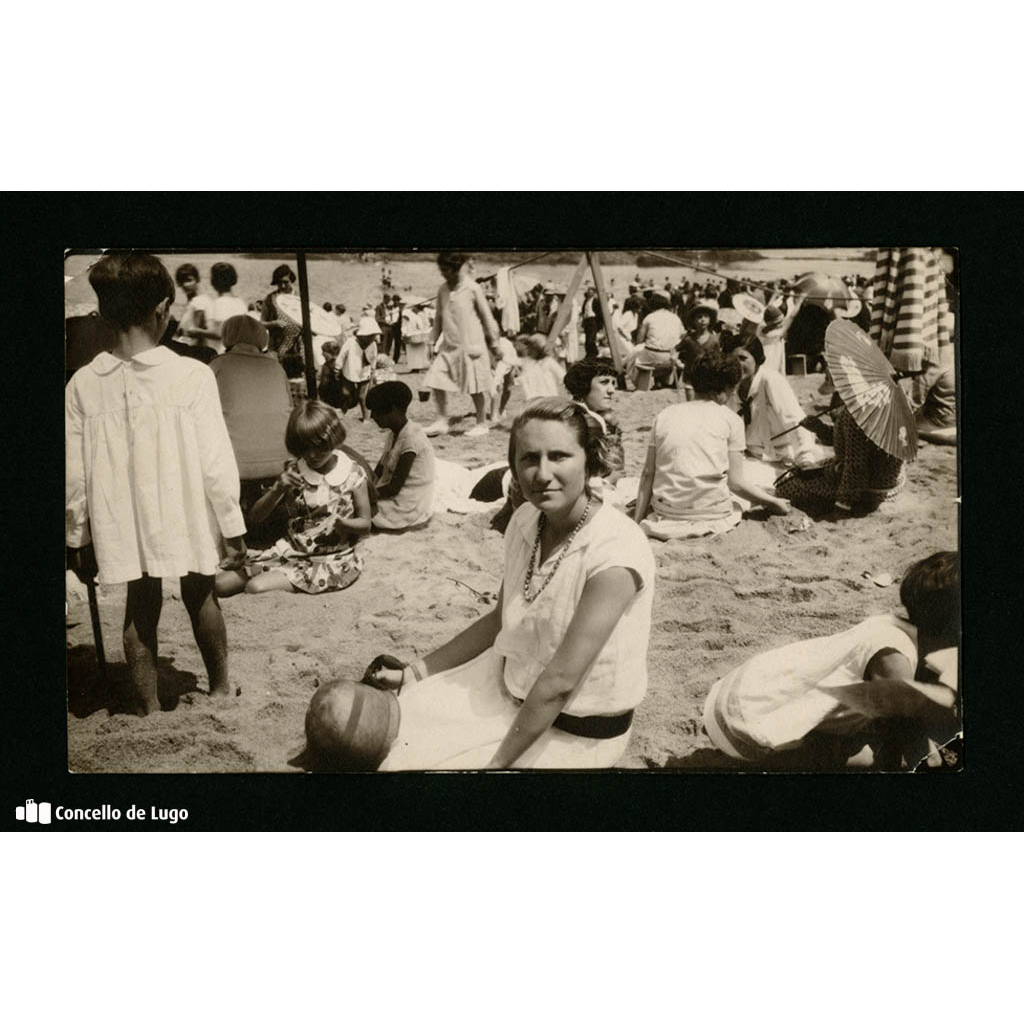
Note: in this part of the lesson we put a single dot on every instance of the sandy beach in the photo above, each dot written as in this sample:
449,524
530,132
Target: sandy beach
717,602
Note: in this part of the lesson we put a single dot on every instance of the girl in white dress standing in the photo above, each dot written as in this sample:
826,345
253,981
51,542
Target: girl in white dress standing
151,478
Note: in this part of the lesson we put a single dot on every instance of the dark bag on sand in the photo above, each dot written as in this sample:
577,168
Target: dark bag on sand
350,726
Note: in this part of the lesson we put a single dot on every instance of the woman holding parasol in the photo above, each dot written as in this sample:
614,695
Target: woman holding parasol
875,435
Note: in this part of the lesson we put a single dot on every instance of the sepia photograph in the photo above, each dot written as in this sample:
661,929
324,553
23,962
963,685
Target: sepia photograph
649,510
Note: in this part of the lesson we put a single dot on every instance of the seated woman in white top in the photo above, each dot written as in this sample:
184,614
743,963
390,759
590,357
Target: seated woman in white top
549,678
771,411
695,461
655,355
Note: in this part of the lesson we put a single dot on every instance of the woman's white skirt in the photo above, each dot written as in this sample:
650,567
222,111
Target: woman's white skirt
457,720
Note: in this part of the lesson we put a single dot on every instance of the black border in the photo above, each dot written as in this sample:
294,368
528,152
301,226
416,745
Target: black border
985,227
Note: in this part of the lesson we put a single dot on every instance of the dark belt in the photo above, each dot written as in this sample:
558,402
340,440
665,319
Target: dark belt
595,727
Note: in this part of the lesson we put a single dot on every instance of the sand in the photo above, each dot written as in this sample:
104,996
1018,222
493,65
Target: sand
717,602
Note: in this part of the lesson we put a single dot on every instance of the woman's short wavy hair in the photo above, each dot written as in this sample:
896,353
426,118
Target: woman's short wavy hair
223,277
574,416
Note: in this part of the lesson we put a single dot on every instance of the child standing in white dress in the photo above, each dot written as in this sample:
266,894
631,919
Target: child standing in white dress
467,333
151,479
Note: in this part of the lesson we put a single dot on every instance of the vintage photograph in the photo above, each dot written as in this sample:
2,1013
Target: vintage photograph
690,510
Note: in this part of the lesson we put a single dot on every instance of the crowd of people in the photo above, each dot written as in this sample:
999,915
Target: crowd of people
193,453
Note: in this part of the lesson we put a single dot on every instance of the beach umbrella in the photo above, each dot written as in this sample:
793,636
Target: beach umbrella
866,382
320,321
823,290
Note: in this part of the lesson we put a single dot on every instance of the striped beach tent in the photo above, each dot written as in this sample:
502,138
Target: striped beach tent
909,312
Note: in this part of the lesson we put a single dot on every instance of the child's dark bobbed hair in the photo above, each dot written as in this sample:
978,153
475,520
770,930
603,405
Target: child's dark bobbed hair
451,261
574,416
930,592
223,277
129,286
313,426
715,372
580,376
184,272
386,397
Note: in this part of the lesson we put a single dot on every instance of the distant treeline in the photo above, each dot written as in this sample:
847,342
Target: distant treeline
642,259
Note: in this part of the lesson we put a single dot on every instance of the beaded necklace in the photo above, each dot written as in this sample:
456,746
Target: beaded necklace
528,597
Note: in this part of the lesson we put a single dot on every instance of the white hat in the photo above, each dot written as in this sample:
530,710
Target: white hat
367,325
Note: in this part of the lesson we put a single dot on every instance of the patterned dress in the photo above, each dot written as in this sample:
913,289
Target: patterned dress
860,476
318,554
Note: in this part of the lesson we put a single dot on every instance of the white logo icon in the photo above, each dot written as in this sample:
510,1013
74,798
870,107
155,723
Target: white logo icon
34,812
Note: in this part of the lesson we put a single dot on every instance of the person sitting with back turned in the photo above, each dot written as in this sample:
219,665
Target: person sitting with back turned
256,400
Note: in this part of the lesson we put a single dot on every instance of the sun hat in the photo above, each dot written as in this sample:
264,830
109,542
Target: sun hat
774,323
749,307
704,306
367,325
732,318
662,294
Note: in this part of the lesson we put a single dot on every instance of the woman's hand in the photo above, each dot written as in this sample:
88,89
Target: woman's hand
392,678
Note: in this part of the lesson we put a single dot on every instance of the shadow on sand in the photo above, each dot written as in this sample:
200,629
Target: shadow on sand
88,692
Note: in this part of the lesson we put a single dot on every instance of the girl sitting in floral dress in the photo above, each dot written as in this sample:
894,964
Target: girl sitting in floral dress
327,500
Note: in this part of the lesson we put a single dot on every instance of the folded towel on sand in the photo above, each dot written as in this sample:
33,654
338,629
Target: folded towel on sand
454,483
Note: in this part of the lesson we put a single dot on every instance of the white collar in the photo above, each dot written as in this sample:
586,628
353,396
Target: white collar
338,475
107,362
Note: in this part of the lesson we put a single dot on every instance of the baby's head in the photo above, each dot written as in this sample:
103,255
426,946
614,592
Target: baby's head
533,346
715,374
390,397
223,277
129,287
313,427
930,592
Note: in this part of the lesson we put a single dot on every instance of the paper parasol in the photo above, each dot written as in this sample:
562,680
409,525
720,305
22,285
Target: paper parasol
749,307
866,383
320,321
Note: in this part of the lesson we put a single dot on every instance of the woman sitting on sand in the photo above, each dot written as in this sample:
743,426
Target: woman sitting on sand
550,677
771,411
695,461
859,478
660,333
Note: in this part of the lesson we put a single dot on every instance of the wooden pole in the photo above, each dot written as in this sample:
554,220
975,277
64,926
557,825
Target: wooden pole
307,331
606,313
565,310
